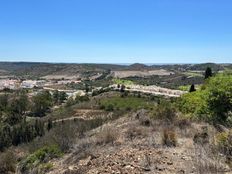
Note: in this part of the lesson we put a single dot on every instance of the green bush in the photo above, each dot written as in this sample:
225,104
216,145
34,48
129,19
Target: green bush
40,157
164,111
126,103
213,102
193,103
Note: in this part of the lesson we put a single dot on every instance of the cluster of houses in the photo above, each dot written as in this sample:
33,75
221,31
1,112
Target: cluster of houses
30,84
10,84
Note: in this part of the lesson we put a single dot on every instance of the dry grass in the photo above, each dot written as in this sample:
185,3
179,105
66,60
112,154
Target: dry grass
134,131
169,137
207,160
202,137
107,135
7,162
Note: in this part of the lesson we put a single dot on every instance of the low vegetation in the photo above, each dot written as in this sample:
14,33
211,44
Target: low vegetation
212,102
169,138
39,159
125,103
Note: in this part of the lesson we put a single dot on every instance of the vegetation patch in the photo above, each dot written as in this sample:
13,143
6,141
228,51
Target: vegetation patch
7,162
125,103
123,82
40,158
169,138
224,143
164,111
213,102
106,136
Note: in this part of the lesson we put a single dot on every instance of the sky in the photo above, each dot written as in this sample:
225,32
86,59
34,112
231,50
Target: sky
116,31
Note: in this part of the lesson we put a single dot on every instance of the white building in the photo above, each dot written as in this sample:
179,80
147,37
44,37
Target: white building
11,84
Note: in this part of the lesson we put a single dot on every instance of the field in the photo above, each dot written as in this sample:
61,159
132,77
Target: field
126,103
141,73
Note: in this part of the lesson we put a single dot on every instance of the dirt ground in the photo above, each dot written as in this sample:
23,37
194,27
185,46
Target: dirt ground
141,73
128,146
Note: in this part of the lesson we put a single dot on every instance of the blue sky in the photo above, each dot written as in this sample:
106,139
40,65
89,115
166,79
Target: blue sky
116,31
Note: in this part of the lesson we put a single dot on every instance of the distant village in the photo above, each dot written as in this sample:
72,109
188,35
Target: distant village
15,84
56,84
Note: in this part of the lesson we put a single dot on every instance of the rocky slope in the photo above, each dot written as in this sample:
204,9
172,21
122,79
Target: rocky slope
133,144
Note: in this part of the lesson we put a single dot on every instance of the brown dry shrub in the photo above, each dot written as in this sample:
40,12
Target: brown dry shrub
107,135
169,137
183,123
202,137
7,163
135,131
224,144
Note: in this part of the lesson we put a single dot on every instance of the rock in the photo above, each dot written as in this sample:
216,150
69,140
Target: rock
181,171
85,162
160,168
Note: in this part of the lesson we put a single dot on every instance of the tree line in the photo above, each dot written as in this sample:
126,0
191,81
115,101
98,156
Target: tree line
15,106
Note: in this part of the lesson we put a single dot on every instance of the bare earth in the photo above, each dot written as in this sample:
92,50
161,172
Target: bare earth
141,73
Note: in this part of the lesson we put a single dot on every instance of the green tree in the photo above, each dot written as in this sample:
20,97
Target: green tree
41,103
50,125
5,137
192,88
4,101
213,102
219,98
208,73
62,96
55,96
19,103
39,128
122,89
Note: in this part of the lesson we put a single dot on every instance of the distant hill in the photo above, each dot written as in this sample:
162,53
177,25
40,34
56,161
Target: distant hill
35,70
137,66
203,66
43,69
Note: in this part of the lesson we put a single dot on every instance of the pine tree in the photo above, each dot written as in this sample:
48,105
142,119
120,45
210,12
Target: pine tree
208,73
192,88
50,125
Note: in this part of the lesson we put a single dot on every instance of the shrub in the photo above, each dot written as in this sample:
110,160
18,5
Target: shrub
64,136
106,136
145,121
70,102
202,137
40,157
109,107
7,162
213,102
135,131
165,111
224,143
81,98
183,123
169,138
192,88
193,103
46,167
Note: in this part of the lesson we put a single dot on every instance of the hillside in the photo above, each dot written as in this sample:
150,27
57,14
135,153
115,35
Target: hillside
118,130
36,70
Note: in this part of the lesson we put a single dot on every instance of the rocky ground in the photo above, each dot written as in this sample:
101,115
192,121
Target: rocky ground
134,145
